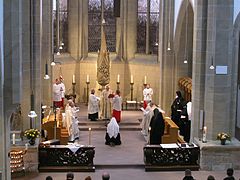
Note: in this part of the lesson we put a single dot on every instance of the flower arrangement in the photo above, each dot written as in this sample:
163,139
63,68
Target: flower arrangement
31,133
223,136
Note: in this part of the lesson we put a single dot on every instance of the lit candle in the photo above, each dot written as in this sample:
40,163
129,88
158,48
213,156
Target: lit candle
145,79
13,138
204,134
131,78
87,78
73,79
118,78
26,146
89,140
149,134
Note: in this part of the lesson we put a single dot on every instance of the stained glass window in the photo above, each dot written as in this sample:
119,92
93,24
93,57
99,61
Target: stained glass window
142,26
61,31
94,25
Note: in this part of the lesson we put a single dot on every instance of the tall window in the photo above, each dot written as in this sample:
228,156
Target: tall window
94,25
147,26
60,25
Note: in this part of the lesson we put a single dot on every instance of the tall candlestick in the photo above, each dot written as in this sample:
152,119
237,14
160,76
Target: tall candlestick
131,78
118,78
89,137
204,134
13,138
145,79
87,78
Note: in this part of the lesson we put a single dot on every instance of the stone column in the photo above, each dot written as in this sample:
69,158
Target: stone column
199,55
218,90
47,51
166,57
130,28
78,28
213,92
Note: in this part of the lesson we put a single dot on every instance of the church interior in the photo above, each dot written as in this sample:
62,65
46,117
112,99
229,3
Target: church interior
171,46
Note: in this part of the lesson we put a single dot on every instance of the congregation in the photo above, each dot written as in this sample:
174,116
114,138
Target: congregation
188,176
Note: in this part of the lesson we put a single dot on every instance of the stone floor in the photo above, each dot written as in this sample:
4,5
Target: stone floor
124,161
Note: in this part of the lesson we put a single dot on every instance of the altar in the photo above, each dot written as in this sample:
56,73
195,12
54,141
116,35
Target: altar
74,157
174,156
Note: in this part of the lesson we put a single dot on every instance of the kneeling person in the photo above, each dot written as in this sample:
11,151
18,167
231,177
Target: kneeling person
112,135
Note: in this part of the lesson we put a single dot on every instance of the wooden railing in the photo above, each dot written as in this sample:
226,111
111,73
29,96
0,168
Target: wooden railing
171,131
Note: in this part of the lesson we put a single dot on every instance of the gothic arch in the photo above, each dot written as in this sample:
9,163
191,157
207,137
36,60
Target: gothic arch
183,41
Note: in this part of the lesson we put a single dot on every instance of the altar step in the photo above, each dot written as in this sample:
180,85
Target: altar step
122,128
101,122
101,126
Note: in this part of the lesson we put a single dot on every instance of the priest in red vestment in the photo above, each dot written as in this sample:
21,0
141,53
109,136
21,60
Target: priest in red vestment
117,106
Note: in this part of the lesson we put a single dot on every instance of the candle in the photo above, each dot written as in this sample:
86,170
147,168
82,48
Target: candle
131,78
149,133
204,134
118,78
89,137
145,79
87,78
13,138
73,79
26,146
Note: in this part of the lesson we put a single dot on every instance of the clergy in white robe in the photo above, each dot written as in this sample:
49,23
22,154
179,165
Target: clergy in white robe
57,95
93,106
117,106
106,103
147,116
62,89
70,121
147,95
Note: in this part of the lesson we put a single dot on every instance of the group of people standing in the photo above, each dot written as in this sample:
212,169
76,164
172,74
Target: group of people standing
153,123
109,105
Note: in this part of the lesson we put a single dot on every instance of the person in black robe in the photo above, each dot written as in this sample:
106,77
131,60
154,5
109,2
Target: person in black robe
185,121
157,125
176,108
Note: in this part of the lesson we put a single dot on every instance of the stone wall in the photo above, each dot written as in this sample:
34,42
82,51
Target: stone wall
217,157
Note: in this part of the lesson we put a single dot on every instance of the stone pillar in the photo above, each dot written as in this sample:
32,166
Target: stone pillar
37,59
166,57
10,65
47,50
199,55
78,28
130,28
218,91
213,92
4,171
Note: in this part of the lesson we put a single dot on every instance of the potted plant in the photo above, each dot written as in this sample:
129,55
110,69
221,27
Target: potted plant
223,137
32,134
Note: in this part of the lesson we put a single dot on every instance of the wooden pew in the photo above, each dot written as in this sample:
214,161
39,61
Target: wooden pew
171,132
